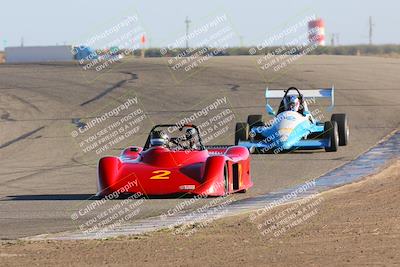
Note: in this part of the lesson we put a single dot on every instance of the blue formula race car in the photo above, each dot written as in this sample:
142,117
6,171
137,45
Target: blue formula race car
293,126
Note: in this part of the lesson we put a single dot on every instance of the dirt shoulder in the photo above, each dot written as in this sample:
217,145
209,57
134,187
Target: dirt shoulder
352,225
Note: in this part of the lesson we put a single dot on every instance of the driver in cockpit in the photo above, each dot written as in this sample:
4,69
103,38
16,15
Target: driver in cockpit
159,139
188,141
191,138
295,103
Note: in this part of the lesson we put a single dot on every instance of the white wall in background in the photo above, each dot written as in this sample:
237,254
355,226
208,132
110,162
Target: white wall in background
38,54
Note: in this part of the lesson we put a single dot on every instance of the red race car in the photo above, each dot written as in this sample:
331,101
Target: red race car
174,161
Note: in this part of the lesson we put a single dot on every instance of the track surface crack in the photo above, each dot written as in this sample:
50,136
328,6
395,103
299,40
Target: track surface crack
110,89
25,135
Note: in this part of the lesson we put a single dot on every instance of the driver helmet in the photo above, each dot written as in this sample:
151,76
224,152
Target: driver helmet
191,136
159,138
293,103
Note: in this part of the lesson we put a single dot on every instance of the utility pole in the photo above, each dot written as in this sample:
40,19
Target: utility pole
187,21
371,25
335,39
241,40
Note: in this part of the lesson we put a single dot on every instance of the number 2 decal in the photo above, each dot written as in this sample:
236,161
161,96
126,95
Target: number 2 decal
161,175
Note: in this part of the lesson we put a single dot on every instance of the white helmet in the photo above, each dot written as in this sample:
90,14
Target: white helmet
292,103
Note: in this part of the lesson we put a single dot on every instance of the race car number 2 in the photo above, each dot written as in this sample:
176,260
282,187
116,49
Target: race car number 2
160,175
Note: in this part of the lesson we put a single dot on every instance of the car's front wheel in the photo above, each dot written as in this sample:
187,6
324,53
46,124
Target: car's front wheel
255,120
241,132
332,134
343,128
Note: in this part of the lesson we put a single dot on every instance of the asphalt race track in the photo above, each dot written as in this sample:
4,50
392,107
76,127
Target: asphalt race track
45,176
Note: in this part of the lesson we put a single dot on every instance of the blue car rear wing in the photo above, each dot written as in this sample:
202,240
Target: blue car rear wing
318,93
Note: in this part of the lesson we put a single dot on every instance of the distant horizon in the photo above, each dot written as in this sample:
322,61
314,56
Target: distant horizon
243,47
47,23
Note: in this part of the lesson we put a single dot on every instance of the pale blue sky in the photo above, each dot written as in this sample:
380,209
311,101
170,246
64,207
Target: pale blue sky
47,22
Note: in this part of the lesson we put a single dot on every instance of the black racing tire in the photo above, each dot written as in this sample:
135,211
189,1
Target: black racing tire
241,132
331,132
343,127
255,120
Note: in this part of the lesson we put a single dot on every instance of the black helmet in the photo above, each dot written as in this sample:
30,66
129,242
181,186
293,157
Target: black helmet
190,133
159,138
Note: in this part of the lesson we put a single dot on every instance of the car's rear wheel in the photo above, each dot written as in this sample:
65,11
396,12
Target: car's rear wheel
241,132
343,128
332,134
255,120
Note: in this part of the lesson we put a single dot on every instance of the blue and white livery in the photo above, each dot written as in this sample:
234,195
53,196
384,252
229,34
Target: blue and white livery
293,126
